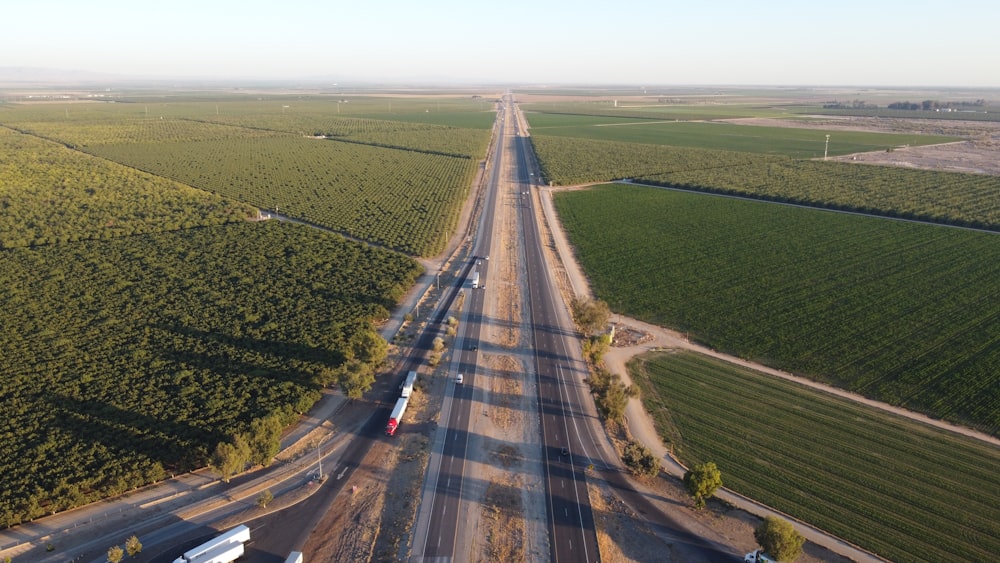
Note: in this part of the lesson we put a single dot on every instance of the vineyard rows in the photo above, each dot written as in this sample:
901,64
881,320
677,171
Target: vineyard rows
400,199
129,359
895,311
50,194
945,197
901,489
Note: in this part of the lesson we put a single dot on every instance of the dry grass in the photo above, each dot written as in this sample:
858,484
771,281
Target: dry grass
505,391
502,522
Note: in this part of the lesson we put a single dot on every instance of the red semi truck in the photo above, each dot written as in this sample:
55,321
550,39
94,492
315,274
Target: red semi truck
396,416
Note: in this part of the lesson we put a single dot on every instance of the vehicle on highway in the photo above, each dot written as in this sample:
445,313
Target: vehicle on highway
758,556
459,379
396,416
224,548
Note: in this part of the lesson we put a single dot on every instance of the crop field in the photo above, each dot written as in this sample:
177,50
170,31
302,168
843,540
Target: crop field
901,489
400,199
646,110
786,141
50,194
567,161
129,359
895,311
943,197
451,111
399,184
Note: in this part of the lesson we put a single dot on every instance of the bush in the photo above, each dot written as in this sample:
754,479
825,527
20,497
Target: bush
640,461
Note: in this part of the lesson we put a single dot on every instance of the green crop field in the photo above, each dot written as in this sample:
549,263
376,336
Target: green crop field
128,359
943,197
897,311
788,141
397,183
401,199
902,489
50,194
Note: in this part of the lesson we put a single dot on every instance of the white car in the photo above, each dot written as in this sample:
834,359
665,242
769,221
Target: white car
458,379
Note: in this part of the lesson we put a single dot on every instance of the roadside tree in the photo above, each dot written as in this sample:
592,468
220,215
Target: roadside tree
779,539
702,481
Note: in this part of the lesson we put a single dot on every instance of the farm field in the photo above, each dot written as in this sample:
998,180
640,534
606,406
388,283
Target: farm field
399,184
50,194
901,489
786,141
943,197
129,359
892,310
400,199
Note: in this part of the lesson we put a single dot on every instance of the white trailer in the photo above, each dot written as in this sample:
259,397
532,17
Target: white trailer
225,553
411,378
475,280
294,557
239,534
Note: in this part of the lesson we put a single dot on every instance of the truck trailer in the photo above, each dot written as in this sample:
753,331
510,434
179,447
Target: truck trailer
396,416
225,553
239,534
294,557
475,280
411,378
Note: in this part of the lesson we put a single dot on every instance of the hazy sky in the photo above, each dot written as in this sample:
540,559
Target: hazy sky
847,42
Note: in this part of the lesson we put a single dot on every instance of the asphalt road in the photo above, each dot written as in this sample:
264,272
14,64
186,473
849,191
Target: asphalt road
443,525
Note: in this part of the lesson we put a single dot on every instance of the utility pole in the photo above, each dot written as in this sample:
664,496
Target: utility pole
319,461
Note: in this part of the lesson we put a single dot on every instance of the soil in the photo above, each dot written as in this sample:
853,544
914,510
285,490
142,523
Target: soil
980,154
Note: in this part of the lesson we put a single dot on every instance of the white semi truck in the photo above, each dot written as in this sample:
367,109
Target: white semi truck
216,549
475,280
411,378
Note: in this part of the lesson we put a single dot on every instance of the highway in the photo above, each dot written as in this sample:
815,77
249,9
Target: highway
568,415
441,510
572,535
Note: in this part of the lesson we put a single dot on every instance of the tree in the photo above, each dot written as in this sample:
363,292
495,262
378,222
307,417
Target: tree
356,377
779,539
231,458
591,316
133,546
702,481
265,439
369,347
264,498
115,554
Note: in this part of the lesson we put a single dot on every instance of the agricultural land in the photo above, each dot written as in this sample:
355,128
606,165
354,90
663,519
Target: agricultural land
142,296
892,310
889,484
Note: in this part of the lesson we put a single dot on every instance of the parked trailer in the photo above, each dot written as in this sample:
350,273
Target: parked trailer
396,416
294,557
225,553
239,534
411,378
